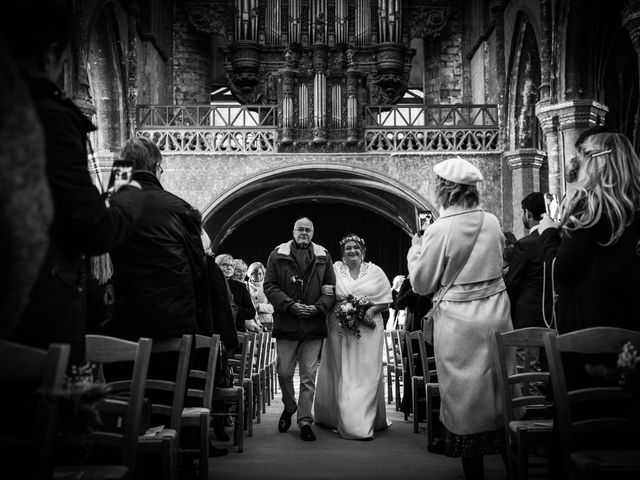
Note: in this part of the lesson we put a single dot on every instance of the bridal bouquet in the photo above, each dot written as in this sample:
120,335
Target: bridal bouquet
351,314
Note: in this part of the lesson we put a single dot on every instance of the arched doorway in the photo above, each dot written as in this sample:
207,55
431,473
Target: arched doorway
250,219
387,244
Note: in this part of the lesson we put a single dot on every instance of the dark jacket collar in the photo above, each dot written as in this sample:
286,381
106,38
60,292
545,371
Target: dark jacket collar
147,179
43,88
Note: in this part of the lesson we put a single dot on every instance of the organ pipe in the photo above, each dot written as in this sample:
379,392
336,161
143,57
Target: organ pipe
294,22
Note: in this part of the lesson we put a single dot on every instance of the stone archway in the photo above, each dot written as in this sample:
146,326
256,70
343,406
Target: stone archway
257,214
313,182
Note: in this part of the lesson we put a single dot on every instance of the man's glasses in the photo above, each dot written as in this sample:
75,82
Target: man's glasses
304,229
227,265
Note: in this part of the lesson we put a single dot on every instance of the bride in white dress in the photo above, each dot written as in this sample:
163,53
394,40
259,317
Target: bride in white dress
350,387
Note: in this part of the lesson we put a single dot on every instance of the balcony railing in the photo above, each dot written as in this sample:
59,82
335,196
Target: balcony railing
209,128
253,128
420,128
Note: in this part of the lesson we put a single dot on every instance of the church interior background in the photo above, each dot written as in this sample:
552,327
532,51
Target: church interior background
267,110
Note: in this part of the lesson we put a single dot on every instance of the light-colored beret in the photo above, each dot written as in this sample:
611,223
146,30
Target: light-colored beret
458,170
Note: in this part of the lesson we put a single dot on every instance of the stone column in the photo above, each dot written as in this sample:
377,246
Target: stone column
562,123
524,165
631,21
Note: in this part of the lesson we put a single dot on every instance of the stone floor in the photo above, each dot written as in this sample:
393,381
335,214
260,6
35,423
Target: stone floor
396,453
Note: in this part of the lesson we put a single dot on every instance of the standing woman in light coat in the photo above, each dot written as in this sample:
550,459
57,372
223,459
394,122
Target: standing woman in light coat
470,311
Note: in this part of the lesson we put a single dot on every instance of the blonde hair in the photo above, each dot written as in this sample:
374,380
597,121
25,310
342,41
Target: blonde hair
451,193
608,185
254,266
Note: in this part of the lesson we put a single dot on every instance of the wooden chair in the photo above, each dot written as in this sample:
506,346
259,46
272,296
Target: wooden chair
431,387
418,385
201,393
388,344
165,443
256,376
588,444
22,363
527,414
397,340
128,395
269,370
234,396
247,383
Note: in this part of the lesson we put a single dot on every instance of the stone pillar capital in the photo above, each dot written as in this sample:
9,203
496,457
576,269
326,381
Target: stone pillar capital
525,158
583,113
631,21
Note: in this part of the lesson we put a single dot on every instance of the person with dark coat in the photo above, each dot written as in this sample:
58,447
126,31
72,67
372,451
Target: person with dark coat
524,279
83,225
156,270
245,313
296,273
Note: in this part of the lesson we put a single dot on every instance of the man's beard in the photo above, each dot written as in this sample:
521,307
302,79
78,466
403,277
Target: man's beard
302,245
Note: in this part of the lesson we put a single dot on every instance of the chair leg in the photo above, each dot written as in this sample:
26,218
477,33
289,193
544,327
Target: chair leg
389,386
523,456
414,405
239,430
249,410
430,429
398,396
203,465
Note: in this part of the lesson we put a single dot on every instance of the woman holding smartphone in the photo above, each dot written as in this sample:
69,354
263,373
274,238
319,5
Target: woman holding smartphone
594,248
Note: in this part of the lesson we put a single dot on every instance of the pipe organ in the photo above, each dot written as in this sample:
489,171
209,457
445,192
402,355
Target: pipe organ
319,61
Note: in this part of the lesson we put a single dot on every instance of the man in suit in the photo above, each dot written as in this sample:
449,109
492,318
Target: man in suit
525,277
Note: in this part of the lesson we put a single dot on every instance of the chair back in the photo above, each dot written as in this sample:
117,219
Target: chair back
600,419
428,363
240,359
105,350
389,348
516,387
201,390
413,355
399,350
45,368
176,387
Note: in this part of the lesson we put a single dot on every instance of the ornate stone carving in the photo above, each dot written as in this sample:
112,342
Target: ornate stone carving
208,17
427,21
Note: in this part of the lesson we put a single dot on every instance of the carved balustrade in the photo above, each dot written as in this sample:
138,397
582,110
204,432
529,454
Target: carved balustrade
209,128
259,128
419,128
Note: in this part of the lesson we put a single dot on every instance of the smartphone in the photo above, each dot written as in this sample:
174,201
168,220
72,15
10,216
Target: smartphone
551,205
121,172
424,218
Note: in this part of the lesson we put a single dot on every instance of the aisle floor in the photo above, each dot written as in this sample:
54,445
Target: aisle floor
396,453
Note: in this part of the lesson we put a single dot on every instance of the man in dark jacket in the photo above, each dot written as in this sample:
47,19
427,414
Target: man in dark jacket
82,223
157,268
296,272
524,279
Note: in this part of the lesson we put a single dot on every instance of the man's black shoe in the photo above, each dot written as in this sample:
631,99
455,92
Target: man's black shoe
285,420
217,452
437,446
307,434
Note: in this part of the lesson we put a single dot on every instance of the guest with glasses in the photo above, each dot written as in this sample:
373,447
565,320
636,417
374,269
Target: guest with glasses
244,311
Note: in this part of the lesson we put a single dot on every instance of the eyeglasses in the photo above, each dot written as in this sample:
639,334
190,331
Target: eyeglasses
304,229
227,265
160,169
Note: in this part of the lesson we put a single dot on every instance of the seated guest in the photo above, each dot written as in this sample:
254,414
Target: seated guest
246,313
263,307
239,270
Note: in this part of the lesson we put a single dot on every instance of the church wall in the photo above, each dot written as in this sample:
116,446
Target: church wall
191,70
200,179
443,62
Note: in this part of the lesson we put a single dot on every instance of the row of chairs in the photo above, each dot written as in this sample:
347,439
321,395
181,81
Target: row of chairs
539,408
562,420
407,356
128,406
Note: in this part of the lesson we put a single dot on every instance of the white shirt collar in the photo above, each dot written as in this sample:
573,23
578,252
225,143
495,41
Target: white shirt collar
533,229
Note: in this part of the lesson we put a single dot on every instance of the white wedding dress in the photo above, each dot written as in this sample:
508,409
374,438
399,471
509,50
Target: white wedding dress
350,386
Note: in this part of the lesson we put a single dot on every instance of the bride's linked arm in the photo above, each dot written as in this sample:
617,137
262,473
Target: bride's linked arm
370,313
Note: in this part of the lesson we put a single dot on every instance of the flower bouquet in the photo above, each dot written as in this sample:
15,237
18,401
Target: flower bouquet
351,312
